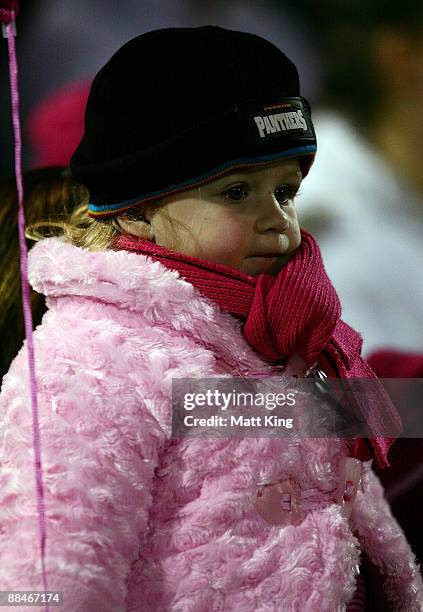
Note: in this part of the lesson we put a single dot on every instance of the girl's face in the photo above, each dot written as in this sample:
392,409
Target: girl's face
246,220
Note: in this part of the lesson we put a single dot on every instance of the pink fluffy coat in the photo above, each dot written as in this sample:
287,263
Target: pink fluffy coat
136,520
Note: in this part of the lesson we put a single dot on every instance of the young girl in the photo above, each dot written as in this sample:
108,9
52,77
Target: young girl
191,264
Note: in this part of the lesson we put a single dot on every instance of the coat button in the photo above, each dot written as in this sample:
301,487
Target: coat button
279,503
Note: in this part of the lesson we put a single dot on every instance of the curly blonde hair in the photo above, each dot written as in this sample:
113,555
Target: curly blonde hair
50,195
55,205
78,228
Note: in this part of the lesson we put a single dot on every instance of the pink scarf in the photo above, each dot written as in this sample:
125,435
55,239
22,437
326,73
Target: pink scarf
297,311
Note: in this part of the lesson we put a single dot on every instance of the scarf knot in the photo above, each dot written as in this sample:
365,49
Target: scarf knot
295,312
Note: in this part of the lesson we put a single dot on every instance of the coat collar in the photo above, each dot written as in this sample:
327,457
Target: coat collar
134,282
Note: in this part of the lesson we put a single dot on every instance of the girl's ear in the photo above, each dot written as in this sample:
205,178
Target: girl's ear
138,226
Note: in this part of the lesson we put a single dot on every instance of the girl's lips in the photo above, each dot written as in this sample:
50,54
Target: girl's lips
263,262
267,264
269,256
261,265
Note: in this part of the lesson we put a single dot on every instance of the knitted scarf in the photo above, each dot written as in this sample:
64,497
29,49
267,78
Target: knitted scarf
296,312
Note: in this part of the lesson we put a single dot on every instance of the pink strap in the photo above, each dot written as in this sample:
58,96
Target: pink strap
13,71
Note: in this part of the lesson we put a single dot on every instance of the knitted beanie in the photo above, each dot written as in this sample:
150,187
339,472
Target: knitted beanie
176,108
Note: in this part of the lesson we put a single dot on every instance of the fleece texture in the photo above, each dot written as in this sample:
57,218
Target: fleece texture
138,521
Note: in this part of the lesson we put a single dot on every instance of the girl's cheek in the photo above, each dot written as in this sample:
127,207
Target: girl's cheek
227,248
225,234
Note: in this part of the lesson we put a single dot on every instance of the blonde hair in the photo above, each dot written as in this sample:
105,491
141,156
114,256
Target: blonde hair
55,205
83,231
77,227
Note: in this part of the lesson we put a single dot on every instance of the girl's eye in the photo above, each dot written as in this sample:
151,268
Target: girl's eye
284,194
236,192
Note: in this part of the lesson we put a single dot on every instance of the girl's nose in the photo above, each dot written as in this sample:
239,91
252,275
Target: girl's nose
271,216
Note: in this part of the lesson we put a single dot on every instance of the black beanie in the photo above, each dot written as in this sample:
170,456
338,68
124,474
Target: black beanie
179,107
